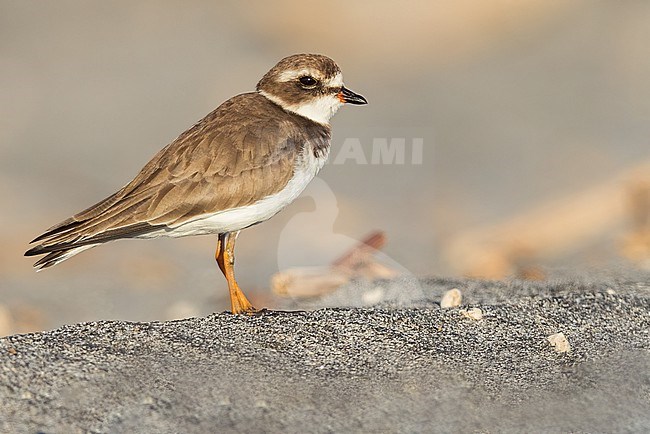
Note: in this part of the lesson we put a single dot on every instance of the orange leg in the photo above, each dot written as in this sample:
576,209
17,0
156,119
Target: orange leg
225,256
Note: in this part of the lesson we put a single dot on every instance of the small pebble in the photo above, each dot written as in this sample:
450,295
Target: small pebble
559,342
373,296
451,298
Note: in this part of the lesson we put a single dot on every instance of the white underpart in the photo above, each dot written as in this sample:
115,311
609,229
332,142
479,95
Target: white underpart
307,166
319,109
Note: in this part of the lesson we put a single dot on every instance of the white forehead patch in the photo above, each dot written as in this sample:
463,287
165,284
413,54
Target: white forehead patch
336,81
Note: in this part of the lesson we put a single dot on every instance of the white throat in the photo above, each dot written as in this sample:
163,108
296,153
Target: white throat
319,109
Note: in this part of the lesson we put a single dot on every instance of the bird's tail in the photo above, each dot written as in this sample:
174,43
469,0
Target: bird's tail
55,257
113,218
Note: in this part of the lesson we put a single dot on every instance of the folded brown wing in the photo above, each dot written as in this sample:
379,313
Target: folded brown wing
240,153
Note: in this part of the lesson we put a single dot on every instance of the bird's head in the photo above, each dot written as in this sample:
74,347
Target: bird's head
310,85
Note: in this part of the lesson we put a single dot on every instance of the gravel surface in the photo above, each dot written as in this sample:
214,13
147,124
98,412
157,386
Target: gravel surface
402,365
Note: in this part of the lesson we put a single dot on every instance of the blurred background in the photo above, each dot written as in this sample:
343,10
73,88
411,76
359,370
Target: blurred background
533,119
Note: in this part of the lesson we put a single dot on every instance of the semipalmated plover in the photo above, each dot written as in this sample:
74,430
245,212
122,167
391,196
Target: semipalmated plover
238,166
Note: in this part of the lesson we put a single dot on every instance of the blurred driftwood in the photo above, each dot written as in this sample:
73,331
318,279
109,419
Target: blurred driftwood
515,246
636,244
358,262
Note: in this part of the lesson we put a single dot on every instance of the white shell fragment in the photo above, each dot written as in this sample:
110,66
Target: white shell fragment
451,298
559,342
474,313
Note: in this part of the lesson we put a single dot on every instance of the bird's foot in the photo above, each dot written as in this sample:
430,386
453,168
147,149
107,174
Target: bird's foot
242,309
264,311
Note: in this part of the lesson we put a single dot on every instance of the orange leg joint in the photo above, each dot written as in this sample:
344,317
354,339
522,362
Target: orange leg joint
225,256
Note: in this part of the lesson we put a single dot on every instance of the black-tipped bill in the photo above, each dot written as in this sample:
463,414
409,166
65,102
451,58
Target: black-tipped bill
349,97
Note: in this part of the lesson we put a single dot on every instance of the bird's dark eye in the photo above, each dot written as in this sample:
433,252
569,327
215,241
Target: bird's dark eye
308,81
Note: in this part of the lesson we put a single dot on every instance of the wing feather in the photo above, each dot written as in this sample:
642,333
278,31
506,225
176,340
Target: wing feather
233,157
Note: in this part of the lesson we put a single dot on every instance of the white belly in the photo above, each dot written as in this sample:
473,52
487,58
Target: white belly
242,217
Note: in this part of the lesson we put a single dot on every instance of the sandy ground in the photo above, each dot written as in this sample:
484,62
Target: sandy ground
403,365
